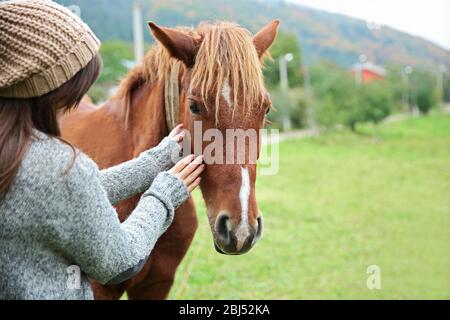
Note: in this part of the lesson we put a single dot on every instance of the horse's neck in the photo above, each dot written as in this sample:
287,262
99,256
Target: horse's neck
146,125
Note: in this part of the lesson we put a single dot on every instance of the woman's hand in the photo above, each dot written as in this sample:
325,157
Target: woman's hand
188,170
177,134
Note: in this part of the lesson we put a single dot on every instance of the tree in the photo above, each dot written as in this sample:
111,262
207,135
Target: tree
396,86
424,90
285,43
446,83
115,55
376,101
339,100
335,96
295,104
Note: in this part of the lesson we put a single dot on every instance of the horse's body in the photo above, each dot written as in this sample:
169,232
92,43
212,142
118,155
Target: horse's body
101,133
135,121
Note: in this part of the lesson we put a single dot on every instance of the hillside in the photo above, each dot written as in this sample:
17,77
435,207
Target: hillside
323,35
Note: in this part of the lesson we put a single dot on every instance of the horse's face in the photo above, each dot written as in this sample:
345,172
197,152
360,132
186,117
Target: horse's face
224,108
231,147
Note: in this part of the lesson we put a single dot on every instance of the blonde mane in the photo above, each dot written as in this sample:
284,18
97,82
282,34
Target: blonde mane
226,56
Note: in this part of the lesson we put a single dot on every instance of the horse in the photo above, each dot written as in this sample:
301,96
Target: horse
217,79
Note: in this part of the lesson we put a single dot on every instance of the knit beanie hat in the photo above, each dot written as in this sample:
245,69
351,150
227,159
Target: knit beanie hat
42,46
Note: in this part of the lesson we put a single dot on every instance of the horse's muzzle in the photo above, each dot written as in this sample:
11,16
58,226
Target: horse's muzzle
235,240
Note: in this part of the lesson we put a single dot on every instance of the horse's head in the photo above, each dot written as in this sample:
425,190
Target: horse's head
223,104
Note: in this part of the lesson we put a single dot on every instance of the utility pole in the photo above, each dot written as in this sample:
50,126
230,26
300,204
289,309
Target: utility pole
309,104
440,82
406,71
310,114
284,82
137,31
359,72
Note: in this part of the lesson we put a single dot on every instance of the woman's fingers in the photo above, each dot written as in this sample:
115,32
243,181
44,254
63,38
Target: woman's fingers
194,175
179,137
182,164
194,185
177,130
188,170
177,134
191,167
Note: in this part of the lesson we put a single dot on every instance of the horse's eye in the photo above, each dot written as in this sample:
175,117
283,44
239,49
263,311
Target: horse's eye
195,109
268,109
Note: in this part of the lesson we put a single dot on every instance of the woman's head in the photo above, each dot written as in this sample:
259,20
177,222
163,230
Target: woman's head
42,112
18,117
48,62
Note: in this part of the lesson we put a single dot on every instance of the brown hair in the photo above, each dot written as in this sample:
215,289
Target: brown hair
18,117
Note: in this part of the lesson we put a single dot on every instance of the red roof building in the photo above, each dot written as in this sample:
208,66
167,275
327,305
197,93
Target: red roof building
368,72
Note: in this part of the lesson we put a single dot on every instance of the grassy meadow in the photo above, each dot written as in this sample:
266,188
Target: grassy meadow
340,203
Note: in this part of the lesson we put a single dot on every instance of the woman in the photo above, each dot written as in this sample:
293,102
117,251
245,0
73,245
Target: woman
56,207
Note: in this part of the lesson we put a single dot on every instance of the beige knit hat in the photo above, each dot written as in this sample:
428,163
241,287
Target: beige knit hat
42,46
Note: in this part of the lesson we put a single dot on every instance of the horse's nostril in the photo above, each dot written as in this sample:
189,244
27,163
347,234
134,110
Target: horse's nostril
260,227
222,228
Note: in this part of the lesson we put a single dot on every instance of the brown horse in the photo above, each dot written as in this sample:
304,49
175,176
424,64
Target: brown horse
221,85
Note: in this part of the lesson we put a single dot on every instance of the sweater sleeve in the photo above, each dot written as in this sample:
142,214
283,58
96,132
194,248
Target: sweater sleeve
90,234
135,176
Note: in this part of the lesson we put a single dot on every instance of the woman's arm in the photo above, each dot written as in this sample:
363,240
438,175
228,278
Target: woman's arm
90,234
187,171
133,177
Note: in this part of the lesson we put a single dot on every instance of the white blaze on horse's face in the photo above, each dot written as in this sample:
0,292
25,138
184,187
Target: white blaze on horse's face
226,93
243,230
237,226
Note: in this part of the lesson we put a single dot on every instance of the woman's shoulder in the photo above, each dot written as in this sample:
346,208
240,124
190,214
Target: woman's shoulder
54,157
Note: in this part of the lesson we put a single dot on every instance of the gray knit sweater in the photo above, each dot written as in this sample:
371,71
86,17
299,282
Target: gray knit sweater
54,224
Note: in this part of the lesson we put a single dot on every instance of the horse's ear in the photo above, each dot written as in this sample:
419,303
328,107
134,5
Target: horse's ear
180,46
264,39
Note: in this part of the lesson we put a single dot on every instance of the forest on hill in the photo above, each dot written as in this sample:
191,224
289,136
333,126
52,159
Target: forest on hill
323,35
327,43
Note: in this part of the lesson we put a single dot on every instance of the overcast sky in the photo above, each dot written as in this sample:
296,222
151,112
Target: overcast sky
429,19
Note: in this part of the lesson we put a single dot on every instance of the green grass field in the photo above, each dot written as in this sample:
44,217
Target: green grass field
339,204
